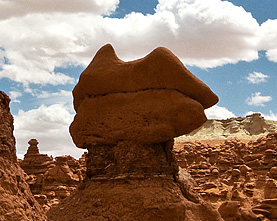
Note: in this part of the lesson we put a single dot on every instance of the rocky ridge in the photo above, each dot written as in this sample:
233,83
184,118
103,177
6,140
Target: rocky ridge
250,127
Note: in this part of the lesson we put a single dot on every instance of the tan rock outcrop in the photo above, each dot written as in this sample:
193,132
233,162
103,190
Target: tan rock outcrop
250,127
16,199
127,114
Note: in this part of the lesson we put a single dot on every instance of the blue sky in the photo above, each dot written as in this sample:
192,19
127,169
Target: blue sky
230,45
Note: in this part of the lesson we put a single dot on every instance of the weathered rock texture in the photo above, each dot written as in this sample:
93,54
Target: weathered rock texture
7,139
127,116
248,128
239,177
16,199
150,100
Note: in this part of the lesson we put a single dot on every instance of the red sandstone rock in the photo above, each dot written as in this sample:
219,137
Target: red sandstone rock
61,173
113,96
7,148
127,116
34,162
255,189
16,199
229,210
270,190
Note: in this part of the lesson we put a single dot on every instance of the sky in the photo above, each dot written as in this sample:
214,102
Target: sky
45,45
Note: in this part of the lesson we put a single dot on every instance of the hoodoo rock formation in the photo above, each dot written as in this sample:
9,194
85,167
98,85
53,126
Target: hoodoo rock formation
16,199
34,162
49,180
127,114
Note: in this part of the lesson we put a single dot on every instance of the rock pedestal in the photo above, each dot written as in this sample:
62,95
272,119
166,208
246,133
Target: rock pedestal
34,162
127,116
131,160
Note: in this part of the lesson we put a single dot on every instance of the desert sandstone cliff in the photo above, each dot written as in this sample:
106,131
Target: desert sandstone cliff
16,199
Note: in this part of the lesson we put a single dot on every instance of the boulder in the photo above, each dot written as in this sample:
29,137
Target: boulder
229,210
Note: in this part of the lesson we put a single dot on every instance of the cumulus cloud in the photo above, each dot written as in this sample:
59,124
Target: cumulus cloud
257,99
272,54
201,33
270,116
12,8
14,95
217,112
269,39
257,77
48,124
61,97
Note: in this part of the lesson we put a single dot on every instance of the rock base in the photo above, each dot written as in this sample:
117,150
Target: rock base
152,199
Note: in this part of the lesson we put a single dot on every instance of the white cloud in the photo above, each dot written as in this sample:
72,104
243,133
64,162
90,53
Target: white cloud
27,69
270,116
202,33
257,77
48,124
61,97
14,95
268,41
12,8
272,54
257,99
217,112
2,56
60,93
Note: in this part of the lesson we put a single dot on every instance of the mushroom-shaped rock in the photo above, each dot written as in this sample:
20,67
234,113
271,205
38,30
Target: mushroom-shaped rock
127,116
150,100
